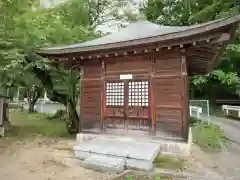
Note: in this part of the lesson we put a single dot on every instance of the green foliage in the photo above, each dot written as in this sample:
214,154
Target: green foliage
187,12
59,115
27,25
193,121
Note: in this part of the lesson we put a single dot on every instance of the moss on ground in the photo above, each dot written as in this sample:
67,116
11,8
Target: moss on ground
169,162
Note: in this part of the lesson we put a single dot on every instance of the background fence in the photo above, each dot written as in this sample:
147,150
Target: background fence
200,109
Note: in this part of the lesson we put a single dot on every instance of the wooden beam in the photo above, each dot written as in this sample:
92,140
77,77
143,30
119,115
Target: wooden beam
222,38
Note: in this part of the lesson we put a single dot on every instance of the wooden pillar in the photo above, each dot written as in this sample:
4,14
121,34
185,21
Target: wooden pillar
81,98
152,97
185,108
103,96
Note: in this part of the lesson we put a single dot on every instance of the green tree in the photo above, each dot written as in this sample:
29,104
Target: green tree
34,27
187,12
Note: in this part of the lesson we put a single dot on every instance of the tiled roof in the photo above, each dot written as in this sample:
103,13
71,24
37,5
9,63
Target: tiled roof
139,31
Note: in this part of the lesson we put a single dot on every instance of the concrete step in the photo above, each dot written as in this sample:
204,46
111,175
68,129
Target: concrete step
139,164
104,163
107,163
135,155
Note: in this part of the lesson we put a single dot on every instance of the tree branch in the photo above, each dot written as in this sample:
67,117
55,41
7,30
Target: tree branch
93,21
45,77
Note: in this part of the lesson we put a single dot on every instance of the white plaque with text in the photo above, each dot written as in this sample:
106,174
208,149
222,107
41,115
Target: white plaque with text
126,76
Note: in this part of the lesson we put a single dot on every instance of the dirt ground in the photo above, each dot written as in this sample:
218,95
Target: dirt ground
51,159
43,159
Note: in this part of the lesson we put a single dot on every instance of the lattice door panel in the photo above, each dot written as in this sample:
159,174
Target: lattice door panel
114,111
138,106
115,94
138,93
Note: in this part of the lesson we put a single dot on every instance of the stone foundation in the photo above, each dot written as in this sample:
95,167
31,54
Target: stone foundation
167,147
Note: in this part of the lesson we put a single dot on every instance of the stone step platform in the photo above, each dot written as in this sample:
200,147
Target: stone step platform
136,155
104,163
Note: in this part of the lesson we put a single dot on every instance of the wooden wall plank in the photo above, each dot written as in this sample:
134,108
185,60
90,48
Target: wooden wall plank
169,94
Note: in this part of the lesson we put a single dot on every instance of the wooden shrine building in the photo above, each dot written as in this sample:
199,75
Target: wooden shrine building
136,80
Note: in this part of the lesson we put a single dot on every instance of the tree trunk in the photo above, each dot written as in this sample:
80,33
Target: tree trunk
72,121
33,96
31,107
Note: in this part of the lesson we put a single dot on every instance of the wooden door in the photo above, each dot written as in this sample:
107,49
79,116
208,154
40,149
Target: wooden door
114,111
138,116
127,105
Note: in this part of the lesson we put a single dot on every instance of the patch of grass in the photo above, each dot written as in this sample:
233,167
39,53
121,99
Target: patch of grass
209,137
24,124
169,162
34,124
141,176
